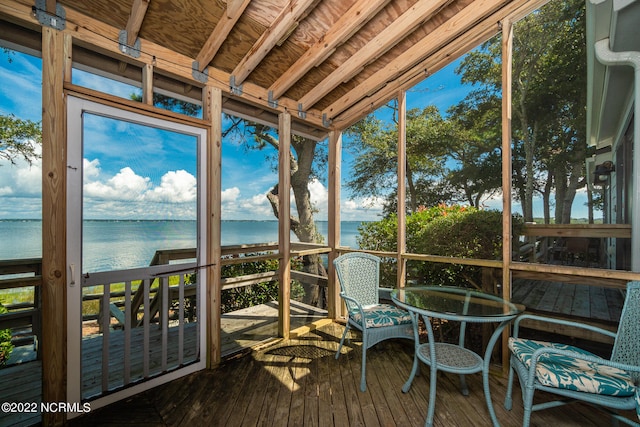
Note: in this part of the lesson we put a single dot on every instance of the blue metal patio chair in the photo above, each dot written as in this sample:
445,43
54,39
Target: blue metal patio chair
576,374
359,277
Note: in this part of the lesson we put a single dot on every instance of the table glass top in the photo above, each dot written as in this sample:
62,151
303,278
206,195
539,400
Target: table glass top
455,301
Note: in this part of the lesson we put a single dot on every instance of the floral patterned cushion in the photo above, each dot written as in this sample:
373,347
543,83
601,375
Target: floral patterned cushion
566,372
381,315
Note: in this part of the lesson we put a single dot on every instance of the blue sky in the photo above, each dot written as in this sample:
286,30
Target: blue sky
142,173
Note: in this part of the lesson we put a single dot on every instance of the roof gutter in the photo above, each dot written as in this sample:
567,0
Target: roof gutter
606,56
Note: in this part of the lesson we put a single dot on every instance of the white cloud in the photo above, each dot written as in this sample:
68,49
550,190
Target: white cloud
125,185
230,195
175,187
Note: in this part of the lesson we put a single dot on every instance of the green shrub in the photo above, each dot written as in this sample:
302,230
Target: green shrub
454,231
5,341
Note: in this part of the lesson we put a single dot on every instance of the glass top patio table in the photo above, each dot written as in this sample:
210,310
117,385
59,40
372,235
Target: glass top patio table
454,304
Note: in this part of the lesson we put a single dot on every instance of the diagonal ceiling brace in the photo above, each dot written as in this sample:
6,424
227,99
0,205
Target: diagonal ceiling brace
57,20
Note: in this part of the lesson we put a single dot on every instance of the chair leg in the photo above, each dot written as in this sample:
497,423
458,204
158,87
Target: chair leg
344,334
508,401
363,377
527,402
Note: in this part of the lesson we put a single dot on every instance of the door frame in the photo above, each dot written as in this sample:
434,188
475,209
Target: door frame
75,110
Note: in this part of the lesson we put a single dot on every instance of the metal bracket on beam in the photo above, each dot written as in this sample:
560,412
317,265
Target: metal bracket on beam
235,89
325,122
132,51
57,21
301,114
201,76
273,103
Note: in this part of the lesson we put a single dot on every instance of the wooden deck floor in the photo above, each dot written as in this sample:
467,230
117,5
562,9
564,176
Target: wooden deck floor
298,382
241,330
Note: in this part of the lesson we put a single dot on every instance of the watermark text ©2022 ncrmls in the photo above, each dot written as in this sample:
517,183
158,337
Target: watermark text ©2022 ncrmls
44,407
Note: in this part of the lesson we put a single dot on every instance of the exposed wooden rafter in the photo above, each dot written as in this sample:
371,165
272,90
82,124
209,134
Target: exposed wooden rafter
235,9
288,18
359,14
441,36
138,11
389,37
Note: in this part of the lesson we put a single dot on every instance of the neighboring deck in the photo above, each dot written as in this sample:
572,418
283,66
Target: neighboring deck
299,383
585,302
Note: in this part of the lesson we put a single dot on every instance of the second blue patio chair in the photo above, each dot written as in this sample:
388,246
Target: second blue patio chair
576,374
359,277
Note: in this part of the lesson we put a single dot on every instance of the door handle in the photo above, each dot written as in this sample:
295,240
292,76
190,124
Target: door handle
72,272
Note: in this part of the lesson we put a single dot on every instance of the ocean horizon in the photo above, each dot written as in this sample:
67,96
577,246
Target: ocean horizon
121,244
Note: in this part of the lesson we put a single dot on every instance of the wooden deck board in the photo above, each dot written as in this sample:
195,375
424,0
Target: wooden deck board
302,367
599,304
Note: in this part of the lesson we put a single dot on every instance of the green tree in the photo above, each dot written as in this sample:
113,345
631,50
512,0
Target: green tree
374,169
308,158
19,139
549,75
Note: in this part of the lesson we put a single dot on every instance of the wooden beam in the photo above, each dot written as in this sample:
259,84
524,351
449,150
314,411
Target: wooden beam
235,9
361,101
440,36
389,37
288,18
348,24
507,226
138,11
284,224
334,307
212,112
54,212
402,188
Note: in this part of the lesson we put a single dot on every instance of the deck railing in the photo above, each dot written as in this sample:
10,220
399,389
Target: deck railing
23,318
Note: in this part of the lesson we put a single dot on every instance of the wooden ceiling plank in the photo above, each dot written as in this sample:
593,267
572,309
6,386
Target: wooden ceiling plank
288,17
385,40
440,36
348,24
478,34
138,11
104,37
235,9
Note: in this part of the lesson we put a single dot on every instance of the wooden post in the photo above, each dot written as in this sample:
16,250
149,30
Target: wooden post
507,228
147,85
54,212
402,187
212,112
284,223
334,307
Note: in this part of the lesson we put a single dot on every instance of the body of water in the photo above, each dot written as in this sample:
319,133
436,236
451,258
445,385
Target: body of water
112,245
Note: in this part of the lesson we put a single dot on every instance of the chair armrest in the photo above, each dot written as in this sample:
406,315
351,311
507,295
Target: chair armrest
351,302
516,324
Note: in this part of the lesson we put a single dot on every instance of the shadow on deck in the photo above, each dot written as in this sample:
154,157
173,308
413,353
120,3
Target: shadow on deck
299,382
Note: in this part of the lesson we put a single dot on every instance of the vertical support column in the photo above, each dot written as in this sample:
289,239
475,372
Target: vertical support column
507,52
402,187
54,212
212,112
147,84
335,158
284,223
